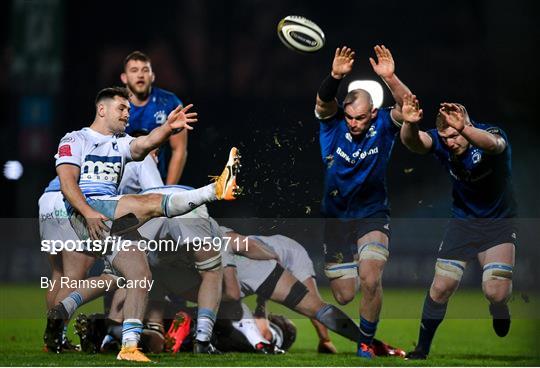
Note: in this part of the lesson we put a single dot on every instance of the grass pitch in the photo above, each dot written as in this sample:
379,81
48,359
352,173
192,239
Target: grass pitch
464,339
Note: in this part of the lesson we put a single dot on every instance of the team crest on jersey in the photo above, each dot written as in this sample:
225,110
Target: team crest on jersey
371,132
160,117
115,146
101,168
476,156
348,136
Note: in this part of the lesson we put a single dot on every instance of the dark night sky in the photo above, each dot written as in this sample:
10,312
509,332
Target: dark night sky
252,92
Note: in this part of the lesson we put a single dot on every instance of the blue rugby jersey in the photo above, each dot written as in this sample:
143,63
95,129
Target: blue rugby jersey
355,168
481,183
153,114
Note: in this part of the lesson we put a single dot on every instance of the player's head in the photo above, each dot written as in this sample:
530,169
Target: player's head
454,141
359,111
112,107
138,75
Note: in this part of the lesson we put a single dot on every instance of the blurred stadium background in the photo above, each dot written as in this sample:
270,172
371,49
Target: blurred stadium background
252,92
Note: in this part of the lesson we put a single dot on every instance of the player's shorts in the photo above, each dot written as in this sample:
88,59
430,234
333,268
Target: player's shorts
293,257
53,218
341,235
465,238
252,273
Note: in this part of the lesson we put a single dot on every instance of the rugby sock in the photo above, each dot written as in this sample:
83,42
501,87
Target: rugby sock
432,315
64,332
337,321
72,302
367,331
205,324
248,327
131,332
177,204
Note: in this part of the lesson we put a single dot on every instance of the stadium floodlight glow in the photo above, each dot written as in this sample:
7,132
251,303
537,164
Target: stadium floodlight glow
373,87
13,170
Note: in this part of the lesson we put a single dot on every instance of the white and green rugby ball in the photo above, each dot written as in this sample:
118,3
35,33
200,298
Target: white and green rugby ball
300,34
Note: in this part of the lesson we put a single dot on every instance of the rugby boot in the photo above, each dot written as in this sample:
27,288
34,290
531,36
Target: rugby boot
133,354
226,188
382,349
53,336
204,347
365,351
501,319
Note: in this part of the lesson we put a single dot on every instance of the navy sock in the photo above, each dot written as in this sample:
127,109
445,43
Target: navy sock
432,316
367,330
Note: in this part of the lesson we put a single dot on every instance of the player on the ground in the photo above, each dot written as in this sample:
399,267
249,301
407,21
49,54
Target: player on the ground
356,142
478,159
291,255
90,163
150,107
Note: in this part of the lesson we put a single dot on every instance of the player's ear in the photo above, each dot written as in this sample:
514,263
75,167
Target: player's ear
153,77
100,109
374,112
123,78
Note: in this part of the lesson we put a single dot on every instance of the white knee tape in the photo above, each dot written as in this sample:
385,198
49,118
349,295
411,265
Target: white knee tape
497,271
373,250
450,268
210,264
341,271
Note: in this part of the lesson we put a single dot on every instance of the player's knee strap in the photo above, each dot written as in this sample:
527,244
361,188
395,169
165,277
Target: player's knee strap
296,294
497,271
373,250
450,268
209,264
347,270
266,289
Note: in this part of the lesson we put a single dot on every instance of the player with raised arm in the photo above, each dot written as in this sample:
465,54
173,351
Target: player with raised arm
356,142
90,163
478,159
150,107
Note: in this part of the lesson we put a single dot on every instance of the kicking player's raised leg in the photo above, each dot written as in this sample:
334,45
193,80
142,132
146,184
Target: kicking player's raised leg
147,206
498,265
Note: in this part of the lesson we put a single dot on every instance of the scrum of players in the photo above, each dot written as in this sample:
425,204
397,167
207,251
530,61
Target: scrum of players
108,185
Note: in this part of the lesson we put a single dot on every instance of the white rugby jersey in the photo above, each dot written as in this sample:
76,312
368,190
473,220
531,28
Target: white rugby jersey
101,158
139,176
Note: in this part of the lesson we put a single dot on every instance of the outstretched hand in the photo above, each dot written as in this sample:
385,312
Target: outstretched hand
454,115
385,66
180,118
343,62
411,111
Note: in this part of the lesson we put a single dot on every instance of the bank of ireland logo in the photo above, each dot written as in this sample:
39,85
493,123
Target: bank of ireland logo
160,117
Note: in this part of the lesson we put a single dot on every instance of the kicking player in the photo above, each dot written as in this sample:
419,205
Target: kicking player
90,163
356,142
478,159
150,107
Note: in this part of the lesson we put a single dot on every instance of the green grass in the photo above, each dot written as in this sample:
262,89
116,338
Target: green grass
464,339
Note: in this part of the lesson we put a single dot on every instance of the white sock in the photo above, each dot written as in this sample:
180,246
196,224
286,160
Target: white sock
177,204
131,332
205,324
248,327
72,302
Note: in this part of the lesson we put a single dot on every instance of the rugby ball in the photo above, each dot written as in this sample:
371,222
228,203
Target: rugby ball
300,34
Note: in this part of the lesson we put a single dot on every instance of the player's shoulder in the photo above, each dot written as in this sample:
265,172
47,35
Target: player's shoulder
165,96
490,128
76,135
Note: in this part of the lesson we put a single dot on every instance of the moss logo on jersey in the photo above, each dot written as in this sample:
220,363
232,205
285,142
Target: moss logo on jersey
101,168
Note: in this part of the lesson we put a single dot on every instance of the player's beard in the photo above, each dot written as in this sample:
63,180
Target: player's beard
141,92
